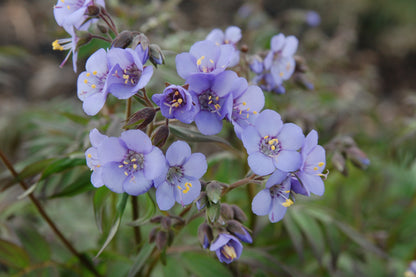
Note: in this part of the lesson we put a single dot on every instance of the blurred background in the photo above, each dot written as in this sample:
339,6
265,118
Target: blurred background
360,57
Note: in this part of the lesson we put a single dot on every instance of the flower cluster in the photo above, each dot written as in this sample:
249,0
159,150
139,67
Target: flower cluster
277,66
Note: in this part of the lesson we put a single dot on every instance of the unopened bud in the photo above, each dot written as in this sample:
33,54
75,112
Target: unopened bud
202,200
338,161
214,190
142,118
139,39
156,55
205,235
123,39
152,234
213,212
357,157
83,38
93,11
238,229
244,48
160,136
102,28
165,223
156,219
226,212
238,213
161,240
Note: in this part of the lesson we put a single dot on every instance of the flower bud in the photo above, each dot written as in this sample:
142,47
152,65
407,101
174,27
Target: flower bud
83,38
238,213
161,240
238,230
213,213
226,211
139,39
338,161
160,136
152,234
214,190
93,10
202,200
123,39
156,219
166,222
358,157
156,55
142,117
102,28
205,235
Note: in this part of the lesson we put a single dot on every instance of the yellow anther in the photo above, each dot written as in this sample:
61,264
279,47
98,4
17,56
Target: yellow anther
57,46
63,1
210,102
244,103
68,7
180,101
281,74
240,111
174,100
266,137
286,191
217,98
248,109
226,41
134,166
125,173
254,112
287,203
125,162
94,72
211,61
93,86
188,184
179,187
217,44
315,168
248,115
273,147
88,74
229,252
210,97
125,76
89,156
120,166
321,164
85,81
199,61
271,142
97,166
176,93
133,160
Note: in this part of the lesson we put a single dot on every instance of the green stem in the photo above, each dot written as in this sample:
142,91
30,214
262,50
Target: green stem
82,258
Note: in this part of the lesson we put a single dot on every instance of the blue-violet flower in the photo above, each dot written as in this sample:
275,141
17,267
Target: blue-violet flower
227,247
232,36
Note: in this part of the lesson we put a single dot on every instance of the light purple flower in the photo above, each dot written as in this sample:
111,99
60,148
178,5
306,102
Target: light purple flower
127,73
204,57
91,155
232,36
272,145
274,199
181,181
72,13
92,83
227,247
213,98
247,103
313,18
69,44
310,172
128,164
176,102
268,83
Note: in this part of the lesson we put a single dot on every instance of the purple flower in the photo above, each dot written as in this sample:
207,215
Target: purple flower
227,247
128,163
231,36
181,182
176,102
127,74
204,57
411,270
72,13
313,18
247,103
274,199
272,145
92,83
268,83
68,44
91,155
310,171
213,98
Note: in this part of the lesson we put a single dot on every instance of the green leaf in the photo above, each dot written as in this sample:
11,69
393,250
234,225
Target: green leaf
203,265
141,258
34,168
12,255
98,201
35,245
121,205
151,210
80,185
312,231
194,136
294,234
172,269
61,165
76,118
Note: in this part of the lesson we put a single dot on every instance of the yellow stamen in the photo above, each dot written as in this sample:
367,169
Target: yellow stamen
133,160
125,173
281,74
210,97
321,164
125,162
229,252
211,61
266,137
240,111
273,147
248,109
57,46
244,103
120,166
94,72
315,168
286,191
287,203
180,101
217,98
199,61
88,74
135,166
97,165
89,156
93,86
179,187
85,81
176,93
68,7
210,102
254,112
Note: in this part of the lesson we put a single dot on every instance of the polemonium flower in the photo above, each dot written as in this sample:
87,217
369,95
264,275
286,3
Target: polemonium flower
411,270
232,36
214,99
176,102
72,13
272,145
181,182
92,83
280,60
268,83
313,18
227,247
127,74
204,57
129,163
91,155
274,199
310,172
70,45
247,103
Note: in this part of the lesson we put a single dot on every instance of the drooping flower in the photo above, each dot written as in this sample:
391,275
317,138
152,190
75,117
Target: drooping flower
232,36
227,247
129,163
411,270
310,171
213,98
247,103
91,155
274,199
237,229
181,182
204,57
69,44
127,74
92,83
176,102
72,13
272,145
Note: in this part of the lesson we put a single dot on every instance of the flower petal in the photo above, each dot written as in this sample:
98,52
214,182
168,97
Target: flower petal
136,184
313,183
145,77
96,137
291,137
190,190
223,83
287,160
137,141
177,153
113,177
251,139
94,103
268,123
199,82
261,203
277,211
185,65
208,123
111,150
154,164
276,178
165,197
196,166
97,62
260,164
